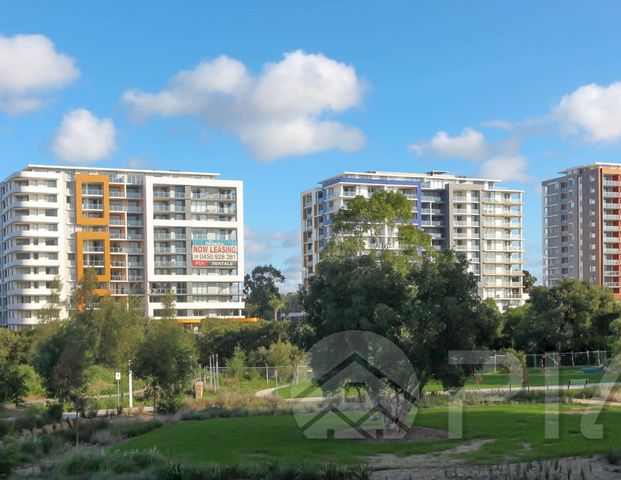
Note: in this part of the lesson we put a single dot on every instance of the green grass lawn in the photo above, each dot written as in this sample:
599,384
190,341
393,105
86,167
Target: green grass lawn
255,439
489,380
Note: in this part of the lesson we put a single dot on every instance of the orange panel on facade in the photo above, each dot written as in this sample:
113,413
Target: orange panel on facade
80,237
89,179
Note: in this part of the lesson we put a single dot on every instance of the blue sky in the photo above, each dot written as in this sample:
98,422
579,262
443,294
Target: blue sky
284,94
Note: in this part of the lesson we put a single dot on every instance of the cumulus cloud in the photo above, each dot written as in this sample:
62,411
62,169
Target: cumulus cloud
593,110
284,110
30,68
505,167
499,160
84,138
469,144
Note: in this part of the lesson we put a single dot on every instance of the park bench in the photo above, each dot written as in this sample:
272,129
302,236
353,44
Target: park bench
577,381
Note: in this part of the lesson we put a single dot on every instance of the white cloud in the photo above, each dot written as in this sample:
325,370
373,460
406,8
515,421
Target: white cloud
30,67
469,144
277,113
594,110
277,247
84,138
498,123
508,166
500,160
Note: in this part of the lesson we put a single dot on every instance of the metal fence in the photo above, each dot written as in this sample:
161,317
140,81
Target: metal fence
589,358
214,376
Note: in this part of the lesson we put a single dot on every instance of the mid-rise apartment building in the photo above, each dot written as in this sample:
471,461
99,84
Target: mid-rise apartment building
582,226
472,216
144,232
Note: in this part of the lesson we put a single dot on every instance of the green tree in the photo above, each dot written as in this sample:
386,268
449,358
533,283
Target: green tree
379,223
169,309
8,345
235,366
222,337
166,361
117,329
528,280
13,386
276,304
260,286
63,359
570,316
432,309
53,308
84,297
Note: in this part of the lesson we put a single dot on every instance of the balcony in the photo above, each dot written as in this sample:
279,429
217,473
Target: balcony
92,192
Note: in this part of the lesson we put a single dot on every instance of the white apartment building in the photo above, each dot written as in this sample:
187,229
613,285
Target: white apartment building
145,232
472,216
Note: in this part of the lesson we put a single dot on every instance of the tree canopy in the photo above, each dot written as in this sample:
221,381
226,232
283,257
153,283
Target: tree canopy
260,287
379,223
572,315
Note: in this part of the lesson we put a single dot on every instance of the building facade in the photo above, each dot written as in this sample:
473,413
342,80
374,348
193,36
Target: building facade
472,216
582,226
144,232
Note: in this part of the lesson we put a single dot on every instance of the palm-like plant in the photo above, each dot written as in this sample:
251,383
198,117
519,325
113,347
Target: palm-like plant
276,303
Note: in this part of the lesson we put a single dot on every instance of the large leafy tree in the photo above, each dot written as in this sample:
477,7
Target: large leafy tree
117,329
62,360
431,309
380,223
166,360
52,310
260,287
528,280
572,315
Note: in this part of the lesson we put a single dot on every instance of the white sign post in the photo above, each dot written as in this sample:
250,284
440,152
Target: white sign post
131,389
117,377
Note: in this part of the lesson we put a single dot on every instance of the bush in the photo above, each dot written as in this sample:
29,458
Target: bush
86,429
9,458
34,385
55,412
135,429
614,457
86,463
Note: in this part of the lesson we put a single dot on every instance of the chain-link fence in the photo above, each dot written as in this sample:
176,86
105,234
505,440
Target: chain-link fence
214,376
589,358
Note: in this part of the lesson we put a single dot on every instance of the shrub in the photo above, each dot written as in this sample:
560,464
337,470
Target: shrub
34,385
55,412
9,458
135,429
614,457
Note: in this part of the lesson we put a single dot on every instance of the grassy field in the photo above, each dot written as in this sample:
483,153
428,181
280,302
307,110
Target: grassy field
518,431
489,380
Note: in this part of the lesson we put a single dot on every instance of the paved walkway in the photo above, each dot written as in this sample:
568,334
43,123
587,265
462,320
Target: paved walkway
269,392
477,390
